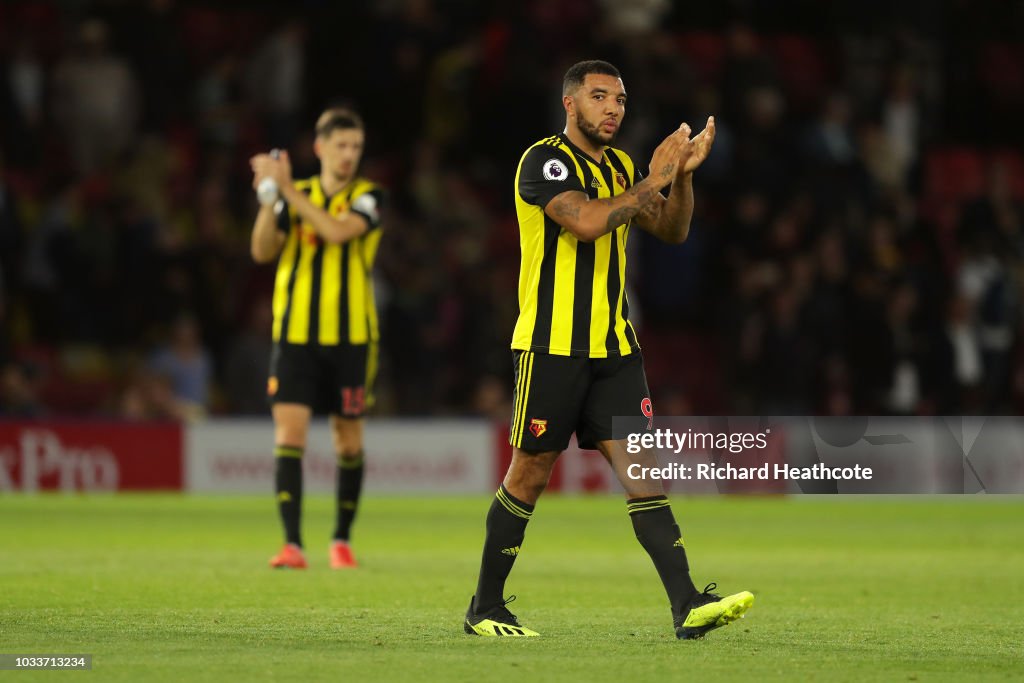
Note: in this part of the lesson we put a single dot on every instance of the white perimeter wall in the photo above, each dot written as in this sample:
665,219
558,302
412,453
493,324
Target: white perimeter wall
402,456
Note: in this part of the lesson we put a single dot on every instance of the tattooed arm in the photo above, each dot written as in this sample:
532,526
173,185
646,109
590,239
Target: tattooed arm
669,219
589,219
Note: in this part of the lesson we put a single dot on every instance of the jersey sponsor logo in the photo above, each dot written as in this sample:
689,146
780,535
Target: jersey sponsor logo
272,386
621,180
538,427
555,170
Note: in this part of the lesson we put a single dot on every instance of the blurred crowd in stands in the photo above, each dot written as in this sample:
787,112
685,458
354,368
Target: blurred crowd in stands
857,246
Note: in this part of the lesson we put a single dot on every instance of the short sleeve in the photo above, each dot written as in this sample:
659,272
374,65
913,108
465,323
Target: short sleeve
546,172
368,205
282,216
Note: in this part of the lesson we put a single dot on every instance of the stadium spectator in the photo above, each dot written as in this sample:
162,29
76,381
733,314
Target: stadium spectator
19,390
95,99
149,395
274,81
22,102
186,365
10,234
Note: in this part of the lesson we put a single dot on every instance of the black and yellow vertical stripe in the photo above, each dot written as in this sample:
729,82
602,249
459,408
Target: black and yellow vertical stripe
524,377
323,293
572,299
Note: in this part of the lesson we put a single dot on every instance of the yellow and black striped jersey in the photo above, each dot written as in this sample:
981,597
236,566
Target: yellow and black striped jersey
572,299
323,293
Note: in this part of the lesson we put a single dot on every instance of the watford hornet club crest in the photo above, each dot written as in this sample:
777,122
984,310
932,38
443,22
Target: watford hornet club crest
538,427
621,180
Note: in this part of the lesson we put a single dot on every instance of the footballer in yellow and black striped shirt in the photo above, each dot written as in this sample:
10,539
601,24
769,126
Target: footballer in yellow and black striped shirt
577,360
324,232
576,355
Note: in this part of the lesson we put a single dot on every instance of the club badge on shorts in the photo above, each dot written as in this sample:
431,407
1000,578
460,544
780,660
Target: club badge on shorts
538,427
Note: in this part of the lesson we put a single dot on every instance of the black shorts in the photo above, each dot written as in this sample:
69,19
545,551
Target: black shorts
329,379
558,395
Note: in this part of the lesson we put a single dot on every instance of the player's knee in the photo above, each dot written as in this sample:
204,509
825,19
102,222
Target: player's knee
343,447
530,479
290,436
347,439
346,447
291,423
346,444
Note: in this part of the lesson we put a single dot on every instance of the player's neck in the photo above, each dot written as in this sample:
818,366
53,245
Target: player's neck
332,185
584,144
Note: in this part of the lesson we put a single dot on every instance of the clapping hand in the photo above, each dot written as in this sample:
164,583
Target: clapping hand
694,153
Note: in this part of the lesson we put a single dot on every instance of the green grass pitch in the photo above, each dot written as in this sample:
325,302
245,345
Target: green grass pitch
176,588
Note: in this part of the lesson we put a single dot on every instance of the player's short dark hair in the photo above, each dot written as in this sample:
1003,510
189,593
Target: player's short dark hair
338,118
577,73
